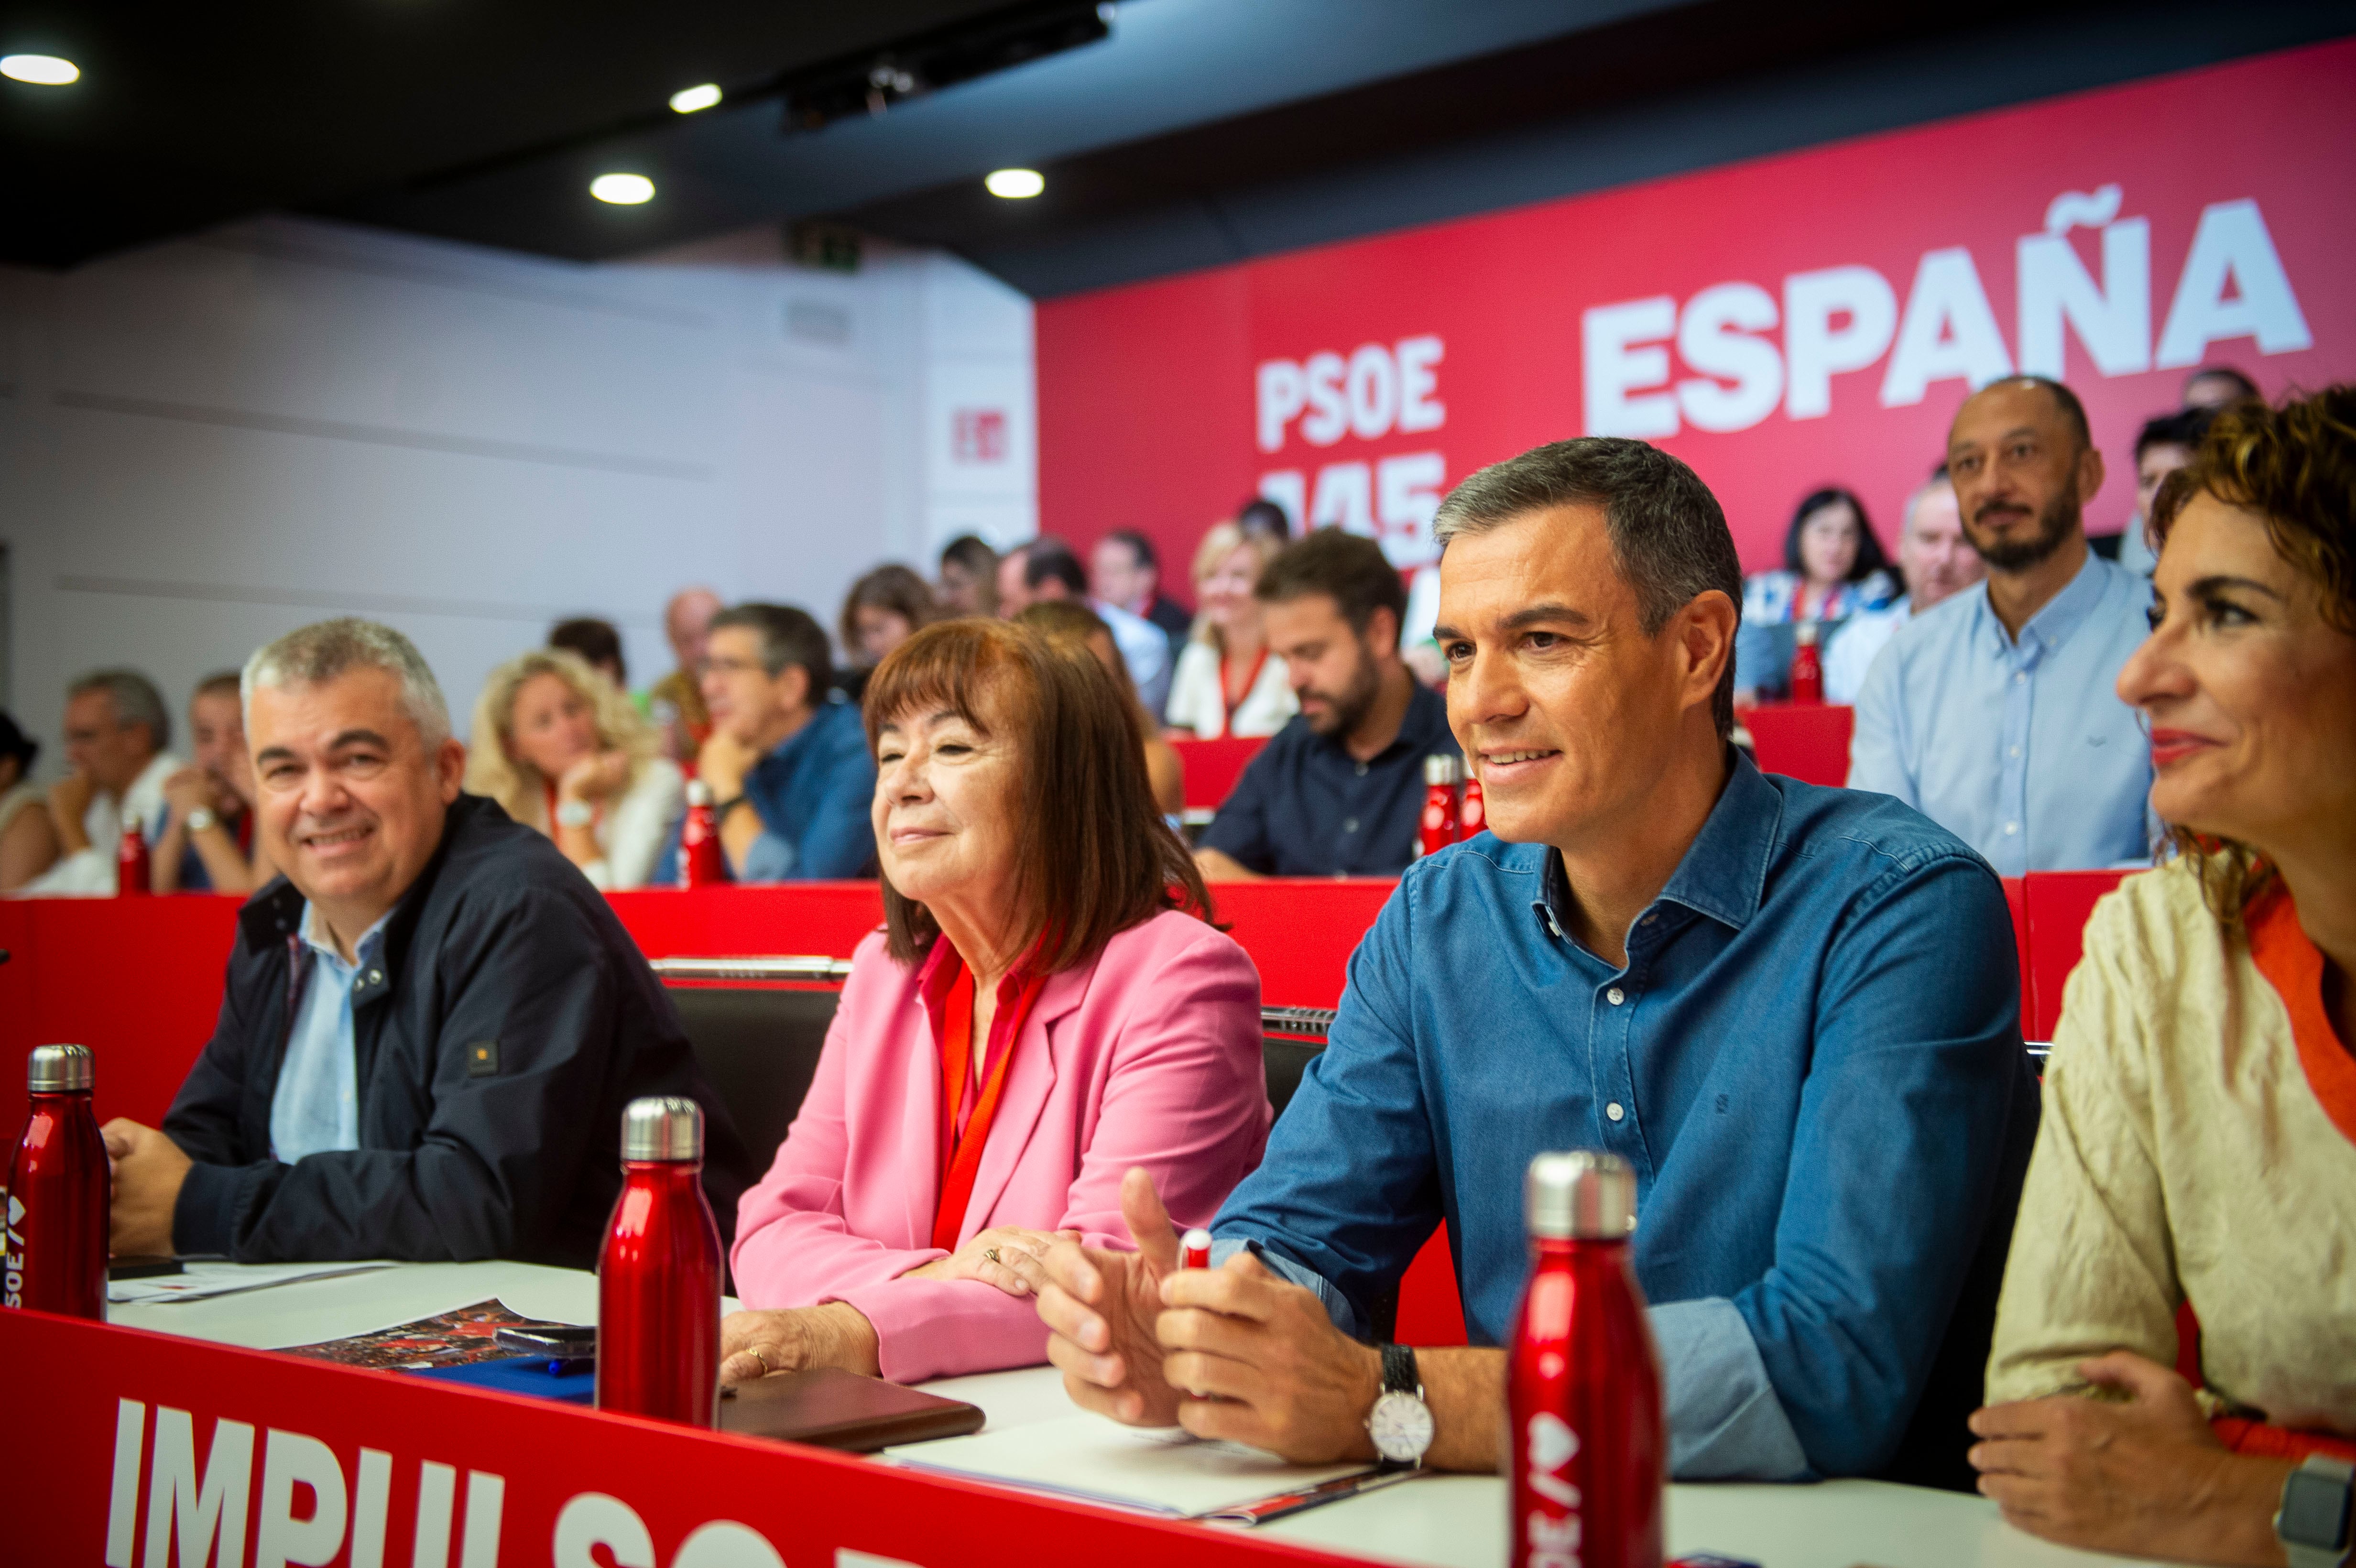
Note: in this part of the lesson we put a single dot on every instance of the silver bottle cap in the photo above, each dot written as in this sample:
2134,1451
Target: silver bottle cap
1584,1195
662,1127
697,793
60,1068
1443,770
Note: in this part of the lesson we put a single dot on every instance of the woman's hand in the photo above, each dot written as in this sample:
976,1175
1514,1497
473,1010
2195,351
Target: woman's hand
594,776
795,1340
2141,1475
1004,1255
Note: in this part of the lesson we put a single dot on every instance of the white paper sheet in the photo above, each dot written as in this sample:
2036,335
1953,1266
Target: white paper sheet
201,1282
1163,1472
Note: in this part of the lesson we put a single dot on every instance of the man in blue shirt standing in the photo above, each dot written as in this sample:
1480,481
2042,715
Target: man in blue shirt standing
1339,791
786,760
1793,1010
1996,715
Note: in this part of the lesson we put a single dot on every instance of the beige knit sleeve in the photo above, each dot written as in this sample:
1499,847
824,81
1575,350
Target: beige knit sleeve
2091,1269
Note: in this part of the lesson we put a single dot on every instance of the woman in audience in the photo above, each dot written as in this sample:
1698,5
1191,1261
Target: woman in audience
1046,1007
28,841
562,748
1227,683
882,610
969,577
1832,568
2199,1141
1069,622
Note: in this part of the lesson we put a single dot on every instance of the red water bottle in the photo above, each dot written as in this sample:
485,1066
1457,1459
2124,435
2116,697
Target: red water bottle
57,1192
1440,774
1808,665
1474,814
133,878
1583,1389
658,1275
701,863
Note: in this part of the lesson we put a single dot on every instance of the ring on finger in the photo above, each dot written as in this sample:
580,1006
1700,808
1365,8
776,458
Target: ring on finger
990,1252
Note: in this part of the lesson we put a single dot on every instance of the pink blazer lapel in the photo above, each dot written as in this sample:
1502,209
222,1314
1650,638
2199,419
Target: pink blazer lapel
1030,1079
919,1161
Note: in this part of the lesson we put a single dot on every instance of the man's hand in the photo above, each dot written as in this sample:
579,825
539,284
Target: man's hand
2144,1477
796,1338
722,763
1218,866
148,1170
70,798
1007,1257
1277,1373
1101,1308
187,790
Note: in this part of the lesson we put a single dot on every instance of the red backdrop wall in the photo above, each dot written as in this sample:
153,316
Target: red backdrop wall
1796,320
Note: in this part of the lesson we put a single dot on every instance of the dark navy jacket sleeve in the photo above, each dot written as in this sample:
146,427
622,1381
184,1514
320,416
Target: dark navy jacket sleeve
500,1153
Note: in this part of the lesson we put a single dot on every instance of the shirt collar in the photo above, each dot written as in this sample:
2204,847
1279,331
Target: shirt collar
2062,614
1724,872
316,937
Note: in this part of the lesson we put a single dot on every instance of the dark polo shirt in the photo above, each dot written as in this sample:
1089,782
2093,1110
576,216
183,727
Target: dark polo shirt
1305,808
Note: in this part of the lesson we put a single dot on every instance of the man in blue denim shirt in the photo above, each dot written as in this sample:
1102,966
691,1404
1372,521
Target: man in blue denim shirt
786,760
1793,1010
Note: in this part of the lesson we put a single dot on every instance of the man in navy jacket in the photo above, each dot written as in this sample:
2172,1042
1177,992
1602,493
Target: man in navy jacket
431,1022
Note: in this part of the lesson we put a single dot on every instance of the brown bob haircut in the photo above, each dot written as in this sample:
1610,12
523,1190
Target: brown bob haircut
1092,855
2295,466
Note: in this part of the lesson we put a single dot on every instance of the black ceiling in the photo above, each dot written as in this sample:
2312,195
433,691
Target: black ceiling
1200,131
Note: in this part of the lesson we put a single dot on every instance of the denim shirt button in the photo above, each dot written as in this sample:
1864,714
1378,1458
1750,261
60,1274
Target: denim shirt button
1615,1110
1615,996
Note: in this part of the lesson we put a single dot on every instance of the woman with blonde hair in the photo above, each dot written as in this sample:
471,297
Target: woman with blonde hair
2199,1140
1226,682
562,750
1070,622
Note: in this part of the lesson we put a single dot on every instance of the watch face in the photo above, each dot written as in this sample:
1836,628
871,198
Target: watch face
2314,1509
1400,1426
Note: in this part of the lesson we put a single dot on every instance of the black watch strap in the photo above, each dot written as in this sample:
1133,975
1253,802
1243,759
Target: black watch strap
1399,1373
719,813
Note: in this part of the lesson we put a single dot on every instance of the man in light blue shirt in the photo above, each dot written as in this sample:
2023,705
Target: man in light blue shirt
1996,715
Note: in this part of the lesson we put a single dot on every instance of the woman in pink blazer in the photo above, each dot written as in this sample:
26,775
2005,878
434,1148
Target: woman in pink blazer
1046,1009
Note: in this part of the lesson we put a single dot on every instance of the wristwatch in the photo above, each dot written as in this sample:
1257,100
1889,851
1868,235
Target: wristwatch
1400,1422
2313,1521
575,813
201,818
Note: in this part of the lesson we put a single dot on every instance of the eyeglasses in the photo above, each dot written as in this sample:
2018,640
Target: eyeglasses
727,666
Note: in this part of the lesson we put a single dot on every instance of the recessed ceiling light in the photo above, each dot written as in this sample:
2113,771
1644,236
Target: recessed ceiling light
1015,184
623,190
41,70
693,99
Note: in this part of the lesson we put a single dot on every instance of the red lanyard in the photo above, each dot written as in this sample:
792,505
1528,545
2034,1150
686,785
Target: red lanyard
1250,686
965,1132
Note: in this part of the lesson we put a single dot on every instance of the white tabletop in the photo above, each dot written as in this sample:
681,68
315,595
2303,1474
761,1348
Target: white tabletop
1441,1521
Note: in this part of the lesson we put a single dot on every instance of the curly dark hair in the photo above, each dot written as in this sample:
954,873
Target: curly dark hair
2295,465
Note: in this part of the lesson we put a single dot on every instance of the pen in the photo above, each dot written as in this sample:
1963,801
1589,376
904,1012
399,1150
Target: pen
1194,1251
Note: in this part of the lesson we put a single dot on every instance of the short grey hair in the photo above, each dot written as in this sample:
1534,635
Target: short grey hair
325,649
1668,533
136,700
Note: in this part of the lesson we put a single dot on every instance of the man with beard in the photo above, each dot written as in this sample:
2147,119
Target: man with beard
1995,715
1338,791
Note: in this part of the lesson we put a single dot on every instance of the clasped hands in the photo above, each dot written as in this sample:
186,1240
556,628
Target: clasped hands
756,1344
1234,1353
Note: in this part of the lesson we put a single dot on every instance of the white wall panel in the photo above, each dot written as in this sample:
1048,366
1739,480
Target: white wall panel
209,442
